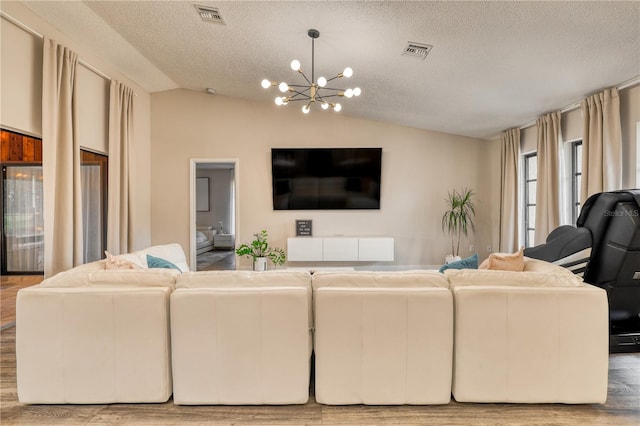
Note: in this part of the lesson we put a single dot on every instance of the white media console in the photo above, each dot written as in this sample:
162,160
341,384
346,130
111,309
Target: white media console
340,249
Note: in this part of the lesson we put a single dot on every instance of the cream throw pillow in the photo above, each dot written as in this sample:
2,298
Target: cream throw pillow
505,261
124,261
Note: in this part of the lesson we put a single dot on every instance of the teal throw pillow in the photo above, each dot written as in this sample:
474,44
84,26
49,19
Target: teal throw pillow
470,262
156,262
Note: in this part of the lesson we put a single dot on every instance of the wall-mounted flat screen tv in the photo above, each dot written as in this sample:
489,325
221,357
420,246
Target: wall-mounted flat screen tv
326,178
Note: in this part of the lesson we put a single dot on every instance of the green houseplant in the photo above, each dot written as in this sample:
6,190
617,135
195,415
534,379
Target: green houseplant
260,250
459,217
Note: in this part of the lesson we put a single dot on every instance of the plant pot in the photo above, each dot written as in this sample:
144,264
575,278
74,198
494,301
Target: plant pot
260,264
451,258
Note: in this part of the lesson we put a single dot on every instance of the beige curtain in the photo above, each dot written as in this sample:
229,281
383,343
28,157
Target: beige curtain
60,160
119,230
509,159
601,144
548,180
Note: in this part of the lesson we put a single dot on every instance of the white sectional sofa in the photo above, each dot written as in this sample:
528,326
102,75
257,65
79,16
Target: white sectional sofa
90,335
241,337
537,336
383,338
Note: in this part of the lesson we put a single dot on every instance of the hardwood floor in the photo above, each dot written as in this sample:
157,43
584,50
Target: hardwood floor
622,407
9,286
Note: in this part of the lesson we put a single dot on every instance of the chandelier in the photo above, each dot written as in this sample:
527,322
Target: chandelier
315,90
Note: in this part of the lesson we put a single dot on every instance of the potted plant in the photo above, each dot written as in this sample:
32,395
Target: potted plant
260,250
458,219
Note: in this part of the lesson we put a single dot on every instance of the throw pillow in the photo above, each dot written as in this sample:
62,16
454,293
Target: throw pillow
470,262
505,261
125,261
156,262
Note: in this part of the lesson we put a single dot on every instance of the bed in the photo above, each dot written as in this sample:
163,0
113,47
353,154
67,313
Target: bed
204,238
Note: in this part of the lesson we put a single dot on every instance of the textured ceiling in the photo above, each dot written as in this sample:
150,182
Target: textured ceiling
494,65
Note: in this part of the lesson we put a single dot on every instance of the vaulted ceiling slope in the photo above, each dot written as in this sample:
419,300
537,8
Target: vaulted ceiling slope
494,65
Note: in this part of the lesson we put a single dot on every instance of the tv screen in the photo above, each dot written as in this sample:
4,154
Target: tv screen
326,178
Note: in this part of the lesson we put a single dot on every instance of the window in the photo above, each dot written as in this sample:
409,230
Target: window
530,185
21,189
93,178
576,179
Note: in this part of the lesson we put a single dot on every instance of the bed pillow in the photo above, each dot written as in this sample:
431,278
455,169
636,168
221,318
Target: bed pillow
200,237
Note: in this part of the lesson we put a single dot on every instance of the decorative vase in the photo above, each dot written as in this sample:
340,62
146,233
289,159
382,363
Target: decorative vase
451,258
260,264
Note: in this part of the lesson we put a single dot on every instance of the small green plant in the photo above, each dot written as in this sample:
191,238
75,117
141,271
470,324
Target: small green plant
260,248
459,218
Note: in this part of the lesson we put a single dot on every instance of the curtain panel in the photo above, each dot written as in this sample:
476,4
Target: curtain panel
601,144
119,229
509,160
548,181
60,160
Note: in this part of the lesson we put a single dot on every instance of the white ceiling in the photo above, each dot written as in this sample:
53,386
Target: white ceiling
494,65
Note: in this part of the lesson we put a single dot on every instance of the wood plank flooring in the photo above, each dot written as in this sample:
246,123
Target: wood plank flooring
9,286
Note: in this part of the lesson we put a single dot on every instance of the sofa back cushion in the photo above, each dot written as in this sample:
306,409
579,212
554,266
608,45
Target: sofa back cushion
385,279
231,279
119,277
487,277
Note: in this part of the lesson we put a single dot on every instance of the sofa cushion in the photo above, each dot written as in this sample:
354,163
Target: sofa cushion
487,277
157,262
505,261
171,252
470,262
225,279
122,277
377,279
124,261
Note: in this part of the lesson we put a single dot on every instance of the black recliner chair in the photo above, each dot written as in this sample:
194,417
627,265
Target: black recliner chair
604,248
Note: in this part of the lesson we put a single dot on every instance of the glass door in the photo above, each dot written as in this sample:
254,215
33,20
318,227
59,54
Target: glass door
22,225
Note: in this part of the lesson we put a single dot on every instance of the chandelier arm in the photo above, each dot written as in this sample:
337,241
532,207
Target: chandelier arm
299,99
333,78
299,85
332,88
300,93
305,77
329,96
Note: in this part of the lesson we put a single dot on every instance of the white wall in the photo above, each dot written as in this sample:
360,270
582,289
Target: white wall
20,80
21,101
418,168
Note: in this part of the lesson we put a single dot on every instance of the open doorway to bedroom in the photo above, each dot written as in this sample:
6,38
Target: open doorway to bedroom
213,214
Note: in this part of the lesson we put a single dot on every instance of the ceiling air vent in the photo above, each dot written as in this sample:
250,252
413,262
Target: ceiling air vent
210,14
417,50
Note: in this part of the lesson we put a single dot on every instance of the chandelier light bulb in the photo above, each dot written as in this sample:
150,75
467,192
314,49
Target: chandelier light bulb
348,72
348,93
283,87
357,91
279,101
337,107
266,84
295,65
322,81
324,105
306,109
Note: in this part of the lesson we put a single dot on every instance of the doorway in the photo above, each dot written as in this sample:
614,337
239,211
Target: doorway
213,214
